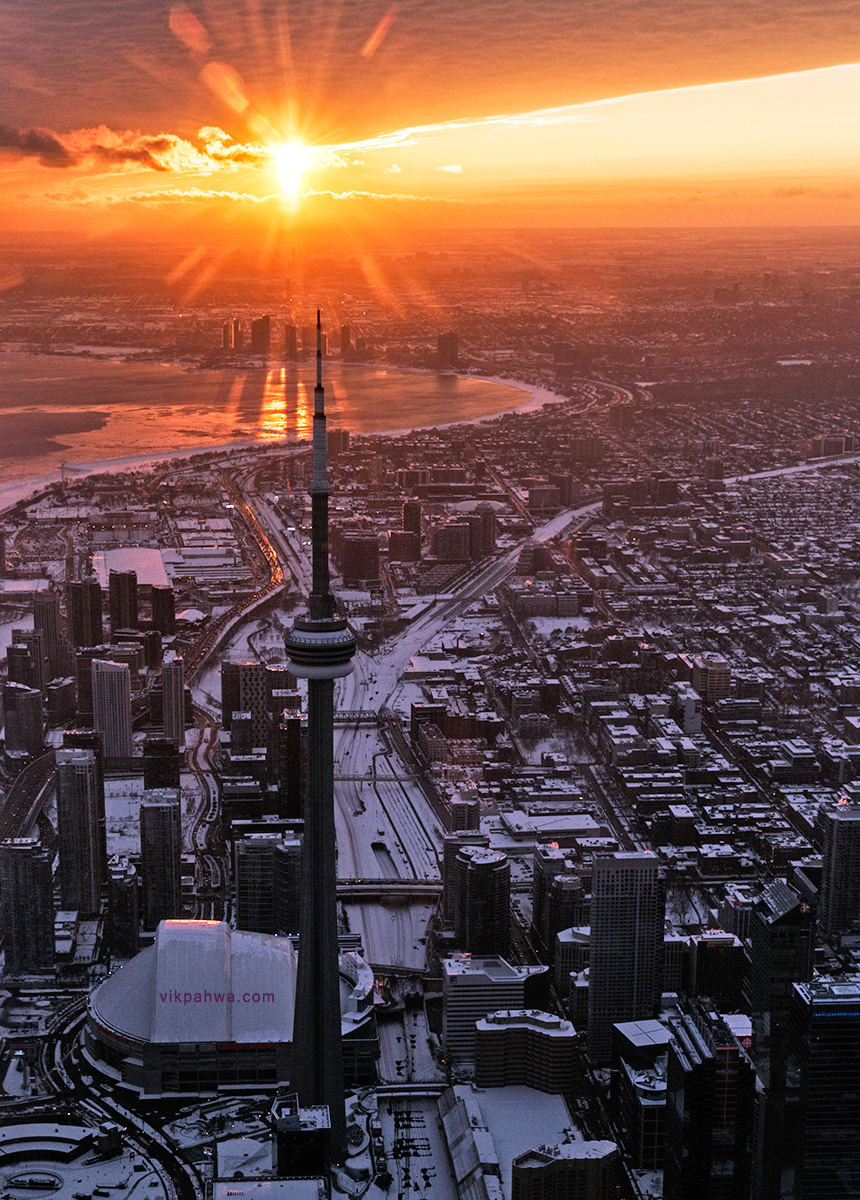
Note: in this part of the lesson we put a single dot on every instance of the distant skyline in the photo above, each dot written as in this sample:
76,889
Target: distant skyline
129,118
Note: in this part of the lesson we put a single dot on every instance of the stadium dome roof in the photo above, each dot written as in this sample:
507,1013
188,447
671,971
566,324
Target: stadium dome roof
203,982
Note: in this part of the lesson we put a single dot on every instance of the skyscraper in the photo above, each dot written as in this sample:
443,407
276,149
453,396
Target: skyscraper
122,600
488,522
253,881
46,620
627,914
287,765
452,844
410,517
839,900
84,678
781,937
287,885
161,764
825,1060
164,610
261,335
123,918
161,856
482,905
26,906
710,1111
291,343
561,884
91,739
446,350
84,611
173,698
25,661
81,859
112,706
473,986
320,648
24,726
245,688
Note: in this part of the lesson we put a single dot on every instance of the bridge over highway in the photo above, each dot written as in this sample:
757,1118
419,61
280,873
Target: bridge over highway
392,889
356,716
371,777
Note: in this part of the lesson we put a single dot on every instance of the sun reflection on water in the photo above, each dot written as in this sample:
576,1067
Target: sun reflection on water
285,410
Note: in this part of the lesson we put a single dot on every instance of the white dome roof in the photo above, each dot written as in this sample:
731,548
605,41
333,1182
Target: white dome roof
179,989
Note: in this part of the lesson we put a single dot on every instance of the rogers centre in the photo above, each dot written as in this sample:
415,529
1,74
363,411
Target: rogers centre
174,1020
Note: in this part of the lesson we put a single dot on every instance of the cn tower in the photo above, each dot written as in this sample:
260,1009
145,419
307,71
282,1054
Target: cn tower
320,647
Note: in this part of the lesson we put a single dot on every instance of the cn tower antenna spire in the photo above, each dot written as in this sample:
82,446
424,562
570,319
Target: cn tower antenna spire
321,601
319,350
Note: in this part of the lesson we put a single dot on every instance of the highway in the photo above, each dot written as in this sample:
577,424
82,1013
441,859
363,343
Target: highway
21,805
212,872
386,825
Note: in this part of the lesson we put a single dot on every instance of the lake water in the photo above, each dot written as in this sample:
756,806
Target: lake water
79,410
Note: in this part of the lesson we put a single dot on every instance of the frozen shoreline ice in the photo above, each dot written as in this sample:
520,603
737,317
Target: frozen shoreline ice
19,489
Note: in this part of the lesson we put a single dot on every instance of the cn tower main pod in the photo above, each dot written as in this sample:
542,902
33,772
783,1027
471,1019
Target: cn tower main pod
320,648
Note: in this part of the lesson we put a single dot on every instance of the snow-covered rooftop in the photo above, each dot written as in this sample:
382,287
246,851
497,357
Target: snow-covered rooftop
146,561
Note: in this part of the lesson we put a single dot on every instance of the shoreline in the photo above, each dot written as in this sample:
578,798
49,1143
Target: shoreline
16,490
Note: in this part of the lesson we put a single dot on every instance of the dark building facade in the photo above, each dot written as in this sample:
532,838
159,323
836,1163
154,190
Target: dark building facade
161,763
164,610
627,915
824,1062
84,612
710,1111
122,600
781,934
26,906
482,901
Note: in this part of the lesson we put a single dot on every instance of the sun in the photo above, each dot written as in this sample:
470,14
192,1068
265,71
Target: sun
291,161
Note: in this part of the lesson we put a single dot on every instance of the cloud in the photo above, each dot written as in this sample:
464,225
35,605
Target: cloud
413,135
158,196
101,146
357,195
452,169
26,81
156,152
40,144
394,170
590,111
220,149
794,193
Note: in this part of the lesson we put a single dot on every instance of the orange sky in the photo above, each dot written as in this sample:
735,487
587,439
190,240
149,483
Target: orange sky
130,117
